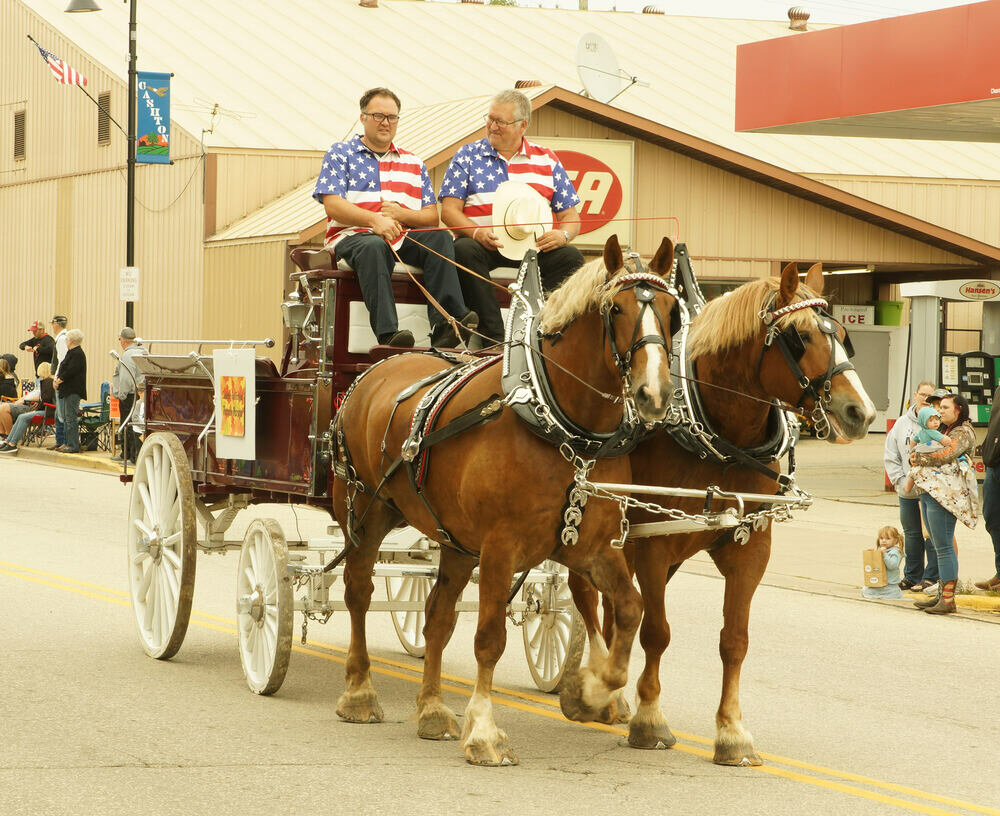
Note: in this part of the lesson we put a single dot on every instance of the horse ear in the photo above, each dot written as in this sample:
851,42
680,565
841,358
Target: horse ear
613,258
814,278
663,260
789,285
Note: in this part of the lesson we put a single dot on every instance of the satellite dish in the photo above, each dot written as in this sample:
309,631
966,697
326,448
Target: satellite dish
597,67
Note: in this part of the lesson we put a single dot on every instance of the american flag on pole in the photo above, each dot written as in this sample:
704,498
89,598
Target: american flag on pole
63,73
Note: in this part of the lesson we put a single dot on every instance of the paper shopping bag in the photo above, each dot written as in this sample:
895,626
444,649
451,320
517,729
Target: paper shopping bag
874,566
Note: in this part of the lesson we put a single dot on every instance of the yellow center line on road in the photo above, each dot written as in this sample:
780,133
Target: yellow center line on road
535,704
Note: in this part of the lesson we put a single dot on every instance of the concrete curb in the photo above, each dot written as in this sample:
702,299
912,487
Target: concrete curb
83,461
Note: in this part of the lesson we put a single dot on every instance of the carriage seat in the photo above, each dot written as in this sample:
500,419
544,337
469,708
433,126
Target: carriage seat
412,315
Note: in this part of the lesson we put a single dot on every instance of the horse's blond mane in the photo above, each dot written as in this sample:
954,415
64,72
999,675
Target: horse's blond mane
734,318
582,291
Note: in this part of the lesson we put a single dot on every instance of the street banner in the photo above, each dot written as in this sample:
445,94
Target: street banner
153,118
235,401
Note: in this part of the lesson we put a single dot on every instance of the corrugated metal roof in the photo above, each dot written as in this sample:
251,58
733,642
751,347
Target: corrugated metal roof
290,73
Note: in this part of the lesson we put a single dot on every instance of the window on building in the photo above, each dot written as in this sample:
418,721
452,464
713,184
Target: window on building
19,134
104,118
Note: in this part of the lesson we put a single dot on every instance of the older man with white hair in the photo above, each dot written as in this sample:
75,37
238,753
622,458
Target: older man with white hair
71,386
467,198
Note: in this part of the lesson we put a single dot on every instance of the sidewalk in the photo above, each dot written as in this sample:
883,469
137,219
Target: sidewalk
818,551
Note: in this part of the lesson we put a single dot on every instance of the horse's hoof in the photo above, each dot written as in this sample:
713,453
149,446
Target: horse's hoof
617,711
360,707
650,737
438,723
571,699
736,756
490,754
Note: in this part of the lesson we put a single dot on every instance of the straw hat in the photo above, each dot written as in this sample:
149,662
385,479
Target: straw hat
527,216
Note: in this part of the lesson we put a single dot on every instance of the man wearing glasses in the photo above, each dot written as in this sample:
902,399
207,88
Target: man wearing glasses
373,192
897,466
467,193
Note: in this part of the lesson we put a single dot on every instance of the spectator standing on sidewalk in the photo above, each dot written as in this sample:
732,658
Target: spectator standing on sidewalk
897,465
123,387
949,493
41,344
58,325
71,386
991,492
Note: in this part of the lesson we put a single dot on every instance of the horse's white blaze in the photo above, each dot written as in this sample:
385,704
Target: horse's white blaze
656,358
840,356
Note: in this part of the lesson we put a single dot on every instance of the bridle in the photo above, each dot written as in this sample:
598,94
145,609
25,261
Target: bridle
645,285
792,348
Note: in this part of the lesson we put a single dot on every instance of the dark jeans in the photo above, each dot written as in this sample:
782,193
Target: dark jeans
372,260
555,266
130,440
941,524
60,425
70,407
991,510
917,549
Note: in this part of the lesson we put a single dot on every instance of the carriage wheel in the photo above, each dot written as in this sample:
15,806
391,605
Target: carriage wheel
549,628
264,606
409,624
162,545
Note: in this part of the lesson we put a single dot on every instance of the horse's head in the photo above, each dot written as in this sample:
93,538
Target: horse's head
641,315
806,359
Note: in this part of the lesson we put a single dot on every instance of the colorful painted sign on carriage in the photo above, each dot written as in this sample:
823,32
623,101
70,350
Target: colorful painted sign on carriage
602,173
235,397
153,118
232,396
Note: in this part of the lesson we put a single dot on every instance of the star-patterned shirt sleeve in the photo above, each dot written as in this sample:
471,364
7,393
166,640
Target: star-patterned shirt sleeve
456,177
427,193
332,178
564,195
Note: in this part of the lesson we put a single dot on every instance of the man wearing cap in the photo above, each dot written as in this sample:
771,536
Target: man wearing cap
41,344
58,325
373,192
123,387
469,199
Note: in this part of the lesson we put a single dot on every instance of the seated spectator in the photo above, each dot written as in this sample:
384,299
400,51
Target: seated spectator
37,403
71,386
8,382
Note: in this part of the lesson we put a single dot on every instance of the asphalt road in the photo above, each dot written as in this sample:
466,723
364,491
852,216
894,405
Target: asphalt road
856,707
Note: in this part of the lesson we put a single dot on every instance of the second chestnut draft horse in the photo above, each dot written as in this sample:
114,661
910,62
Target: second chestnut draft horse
727,344
499,491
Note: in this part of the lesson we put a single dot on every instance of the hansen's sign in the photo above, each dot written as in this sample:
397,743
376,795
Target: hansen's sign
981,290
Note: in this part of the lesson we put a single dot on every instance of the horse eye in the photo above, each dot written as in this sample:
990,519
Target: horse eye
615,309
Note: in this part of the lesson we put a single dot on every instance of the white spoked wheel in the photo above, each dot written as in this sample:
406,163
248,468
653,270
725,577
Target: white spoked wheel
264,606
549,627
162,545
409,623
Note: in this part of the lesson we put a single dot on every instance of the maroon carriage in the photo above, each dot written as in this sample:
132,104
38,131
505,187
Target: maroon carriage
186,494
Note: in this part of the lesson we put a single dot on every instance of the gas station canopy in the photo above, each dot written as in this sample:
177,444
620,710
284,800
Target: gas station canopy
934,75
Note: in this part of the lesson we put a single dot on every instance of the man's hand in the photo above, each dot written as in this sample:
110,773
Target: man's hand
56,382
387,228
397,212
553,239
488,238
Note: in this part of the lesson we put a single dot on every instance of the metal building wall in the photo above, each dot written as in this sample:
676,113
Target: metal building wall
62,209
735,227
247,180
244,285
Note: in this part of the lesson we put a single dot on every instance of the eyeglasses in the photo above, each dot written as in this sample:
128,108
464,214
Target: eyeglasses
925,396
492,120
391,118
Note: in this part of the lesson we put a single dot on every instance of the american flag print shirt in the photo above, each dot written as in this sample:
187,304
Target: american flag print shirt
353,172
476,171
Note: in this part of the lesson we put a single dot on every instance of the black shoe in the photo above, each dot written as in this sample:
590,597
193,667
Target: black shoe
443,336
5,448
402,339
470,321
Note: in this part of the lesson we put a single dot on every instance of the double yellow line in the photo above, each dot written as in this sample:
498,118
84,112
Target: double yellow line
851,784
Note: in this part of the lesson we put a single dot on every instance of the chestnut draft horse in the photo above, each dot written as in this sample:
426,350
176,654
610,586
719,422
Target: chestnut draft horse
727,344
499,491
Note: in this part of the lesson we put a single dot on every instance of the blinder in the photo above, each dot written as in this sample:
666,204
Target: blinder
646,286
